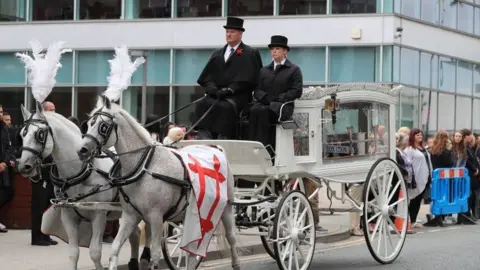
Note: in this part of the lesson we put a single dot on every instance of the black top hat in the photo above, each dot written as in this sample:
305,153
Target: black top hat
279,41
234,23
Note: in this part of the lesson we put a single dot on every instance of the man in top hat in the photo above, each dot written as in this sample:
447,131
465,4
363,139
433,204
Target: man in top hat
230,76
280,81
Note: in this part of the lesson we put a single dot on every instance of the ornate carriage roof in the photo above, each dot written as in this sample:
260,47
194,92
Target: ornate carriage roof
319,92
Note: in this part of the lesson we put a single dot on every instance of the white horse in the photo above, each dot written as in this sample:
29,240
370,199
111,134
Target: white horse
49,133
149,198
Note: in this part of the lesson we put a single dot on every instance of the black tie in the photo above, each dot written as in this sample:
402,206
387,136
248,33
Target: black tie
230,55
276,67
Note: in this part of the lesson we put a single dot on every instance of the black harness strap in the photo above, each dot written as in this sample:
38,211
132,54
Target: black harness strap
185,189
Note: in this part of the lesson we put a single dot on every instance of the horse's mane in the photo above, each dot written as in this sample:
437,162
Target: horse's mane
62,121
115,108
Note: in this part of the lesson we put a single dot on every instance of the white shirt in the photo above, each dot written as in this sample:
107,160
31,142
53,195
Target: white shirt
275,64
227,51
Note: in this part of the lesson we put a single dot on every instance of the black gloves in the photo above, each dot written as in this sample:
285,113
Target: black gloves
265,100
224,92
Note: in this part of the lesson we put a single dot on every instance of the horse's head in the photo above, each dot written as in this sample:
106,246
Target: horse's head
100,131
36,139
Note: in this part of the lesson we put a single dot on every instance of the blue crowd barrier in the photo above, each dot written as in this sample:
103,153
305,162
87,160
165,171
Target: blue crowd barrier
450,191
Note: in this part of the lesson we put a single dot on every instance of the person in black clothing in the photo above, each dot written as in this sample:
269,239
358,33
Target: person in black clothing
441,158
473,167
7,162
42,192
280,81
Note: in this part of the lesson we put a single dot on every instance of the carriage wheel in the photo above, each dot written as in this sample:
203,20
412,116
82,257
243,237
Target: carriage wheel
294,232
382,202
173,255
266,240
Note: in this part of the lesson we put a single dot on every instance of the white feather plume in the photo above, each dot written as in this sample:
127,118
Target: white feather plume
42,68
121,71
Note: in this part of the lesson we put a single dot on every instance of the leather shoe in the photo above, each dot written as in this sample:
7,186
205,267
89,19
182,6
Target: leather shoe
52,242
41,243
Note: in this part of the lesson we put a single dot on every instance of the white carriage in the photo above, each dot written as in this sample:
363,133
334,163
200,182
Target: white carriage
351,146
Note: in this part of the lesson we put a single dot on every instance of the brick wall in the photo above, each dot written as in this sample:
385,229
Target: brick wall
16,214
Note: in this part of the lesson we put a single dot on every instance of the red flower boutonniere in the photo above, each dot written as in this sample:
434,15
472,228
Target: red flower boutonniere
239,51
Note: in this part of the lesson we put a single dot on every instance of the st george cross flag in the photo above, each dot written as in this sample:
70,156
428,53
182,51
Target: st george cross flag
208,170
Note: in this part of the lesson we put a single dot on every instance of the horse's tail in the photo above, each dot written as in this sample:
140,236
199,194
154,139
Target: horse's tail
222,241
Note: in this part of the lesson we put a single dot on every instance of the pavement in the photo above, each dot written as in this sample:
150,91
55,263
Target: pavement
17,253
22,256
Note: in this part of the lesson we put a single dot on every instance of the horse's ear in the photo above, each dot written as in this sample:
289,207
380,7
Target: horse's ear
25,113
106,102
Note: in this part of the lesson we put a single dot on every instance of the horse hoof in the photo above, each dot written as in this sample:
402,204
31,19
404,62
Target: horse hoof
236,267
133,264
144,264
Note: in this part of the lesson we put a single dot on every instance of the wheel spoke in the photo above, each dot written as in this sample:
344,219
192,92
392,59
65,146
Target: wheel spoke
380,236
373,217
390,222
286,250
302,216
390,196
290,257
397,202
375,230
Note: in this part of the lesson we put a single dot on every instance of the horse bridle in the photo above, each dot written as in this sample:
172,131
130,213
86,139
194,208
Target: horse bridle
41,135
104,129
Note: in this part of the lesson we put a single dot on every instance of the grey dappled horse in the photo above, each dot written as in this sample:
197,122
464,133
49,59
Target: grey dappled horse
49,133
152,199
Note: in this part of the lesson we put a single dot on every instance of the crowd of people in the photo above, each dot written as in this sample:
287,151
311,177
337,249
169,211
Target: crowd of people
418,158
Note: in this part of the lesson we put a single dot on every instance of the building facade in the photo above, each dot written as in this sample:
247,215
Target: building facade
435,56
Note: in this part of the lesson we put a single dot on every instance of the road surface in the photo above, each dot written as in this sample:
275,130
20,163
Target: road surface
455,247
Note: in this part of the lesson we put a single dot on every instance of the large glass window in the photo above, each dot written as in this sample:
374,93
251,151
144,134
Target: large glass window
266,56
361,131
11,98
184,95
477,21
86,100
311,61
250,7
428,70
93,67
430,10
61,97
12,10
100,9
199,8
135,9
52,10
465,17
132,102
409,72
158,68
302,7
464,78
446,113
350,64
12,71
448,14
396,63
387,64
476,80
428,111
347,7
463,113
447,73
409,107
411,8
189,64
476,112
158,100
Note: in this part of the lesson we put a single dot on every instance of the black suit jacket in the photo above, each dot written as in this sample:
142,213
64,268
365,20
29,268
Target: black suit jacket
280,86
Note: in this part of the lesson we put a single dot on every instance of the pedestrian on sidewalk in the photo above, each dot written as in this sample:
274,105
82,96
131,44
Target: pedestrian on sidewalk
473,167
441,158
422,173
